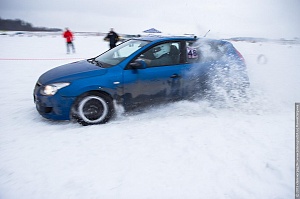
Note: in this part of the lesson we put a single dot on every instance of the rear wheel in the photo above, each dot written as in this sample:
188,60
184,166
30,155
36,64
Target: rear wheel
93,108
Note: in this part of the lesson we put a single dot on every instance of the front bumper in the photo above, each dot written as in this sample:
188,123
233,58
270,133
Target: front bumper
54,107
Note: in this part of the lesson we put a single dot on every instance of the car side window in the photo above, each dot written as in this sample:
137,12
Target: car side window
164,54
192,52
204,51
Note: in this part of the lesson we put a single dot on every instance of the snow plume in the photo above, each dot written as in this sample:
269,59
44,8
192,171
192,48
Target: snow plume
220,76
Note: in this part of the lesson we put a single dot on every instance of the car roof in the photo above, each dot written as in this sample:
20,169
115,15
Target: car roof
165,38
159,38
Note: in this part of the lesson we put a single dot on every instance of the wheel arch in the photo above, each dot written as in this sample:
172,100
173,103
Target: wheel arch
92,92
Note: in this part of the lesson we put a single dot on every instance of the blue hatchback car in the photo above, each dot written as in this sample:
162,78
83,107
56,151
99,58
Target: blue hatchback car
138,71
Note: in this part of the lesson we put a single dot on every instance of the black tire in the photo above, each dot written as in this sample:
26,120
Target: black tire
93,108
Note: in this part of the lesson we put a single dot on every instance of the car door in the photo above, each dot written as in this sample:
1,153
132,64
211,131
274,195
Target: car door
154,83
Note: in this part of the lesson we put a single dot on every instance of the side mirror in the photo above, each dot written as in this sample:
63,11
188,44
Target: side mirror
138,64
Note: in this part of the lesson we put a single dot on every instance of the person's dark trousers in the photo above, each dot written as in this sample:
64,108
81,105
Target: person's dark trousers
70,45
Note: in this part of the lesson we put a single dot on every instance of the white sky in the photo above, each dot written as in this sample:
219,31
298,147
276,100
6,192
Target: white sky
257,18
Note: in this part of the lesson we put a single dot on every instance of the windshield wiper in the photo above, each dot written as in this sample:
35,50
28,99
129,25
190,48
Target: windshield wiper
91,60
94,61
98,63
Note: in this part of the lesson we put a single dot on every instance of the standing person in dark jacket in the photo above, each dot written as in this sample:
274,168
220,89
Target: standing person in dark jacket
112,37
69,39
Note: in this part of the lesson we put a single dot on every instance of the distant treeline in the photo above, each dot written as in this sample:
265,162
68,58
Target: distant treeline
20,25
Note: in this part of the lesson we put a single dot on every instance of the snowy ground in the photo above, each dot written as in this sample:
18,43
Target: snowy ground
181,150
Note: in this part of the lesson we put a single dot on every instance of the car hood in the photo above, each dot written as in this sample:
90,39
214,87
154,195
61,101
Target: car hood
70,72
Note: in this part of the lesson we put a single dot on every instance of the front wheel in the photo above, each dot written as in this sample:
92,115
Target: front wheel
92,108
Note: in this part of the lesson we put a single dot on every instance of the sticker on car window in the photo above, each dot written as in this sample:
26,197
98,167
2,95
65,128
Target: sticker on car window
192,53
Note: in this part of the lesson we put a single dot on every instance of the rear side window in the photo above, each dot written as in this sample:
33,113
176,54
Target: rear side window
193,52
205,51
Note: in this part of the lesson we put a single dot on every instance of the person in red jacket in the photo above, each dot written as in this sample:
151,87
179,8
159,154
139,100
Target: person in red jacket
69,39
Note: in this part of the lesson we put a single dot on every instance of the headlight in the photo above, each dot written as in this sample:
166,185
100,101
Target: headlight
51,89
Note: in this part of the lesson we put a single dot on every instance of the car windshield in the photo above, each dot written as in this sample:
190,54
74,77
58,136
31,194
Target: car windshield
119,53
